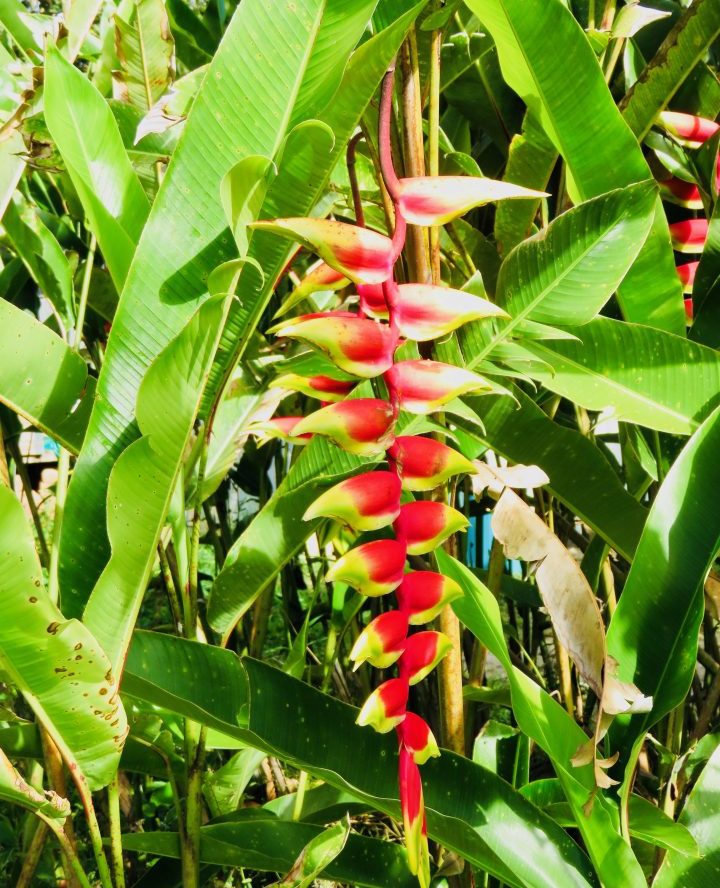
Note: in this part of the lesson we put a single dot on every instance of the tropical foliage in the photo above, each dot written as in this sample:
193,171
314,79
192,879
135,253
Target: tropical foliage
354,377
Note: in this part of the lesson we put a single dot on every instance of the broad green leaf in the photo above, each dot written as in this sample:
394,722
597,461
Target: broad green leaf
487,822
56,663
642,375
144,477
145,51
317,855
42,378
632,18
653,633
651,824
268,844
701,816
531,159
545,721
87,137
15,790
580,474
598,147
685,45
567,272
42,255
165,287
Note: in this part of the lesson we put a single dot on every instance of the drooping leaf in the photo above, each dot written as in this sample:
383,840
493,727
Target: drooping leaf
501,832
42,378
14,789
566,594
645,376
56,663
87,137
598,147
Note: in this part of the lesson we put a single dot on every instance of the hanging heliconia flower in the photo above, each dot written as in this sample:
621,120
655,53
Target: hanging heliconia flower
359,346
688,128
364,345
324,388
435,200
689,236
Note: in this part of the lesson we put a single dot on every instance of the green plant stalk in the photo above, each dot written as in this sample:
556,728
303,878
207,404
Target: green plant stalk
32,855
194,732
300,795
68,851
94,830
55,772
433,142
21,469
4,471
416,247
116,853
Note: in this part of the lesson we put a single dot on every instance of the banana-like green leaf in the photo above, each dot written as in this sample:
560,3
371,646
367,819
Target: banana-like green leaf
42,378
144,477
701,816
683,47
653,633
87,137
531,159
144,47
246,105
646,376
580,474
546,722
469,809
56,663
15,790
566,273
567,93
42,255
267,844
